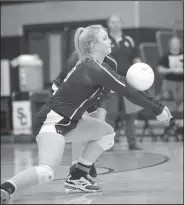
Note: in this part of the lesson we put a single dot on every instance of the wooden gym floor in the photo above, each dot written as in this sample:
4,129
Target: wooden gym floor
151,176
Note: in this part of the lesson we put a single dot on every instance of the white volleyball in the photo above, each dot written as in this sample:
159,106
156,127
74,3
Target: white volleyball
140,76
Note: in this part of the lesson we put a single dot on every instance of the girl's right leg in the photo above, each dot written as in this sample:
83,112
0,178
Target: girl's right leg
50,153
90,130
78,147
99,137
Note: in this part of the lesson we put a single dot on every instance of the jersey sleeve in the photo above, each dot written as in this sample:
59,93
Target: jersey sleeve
112,81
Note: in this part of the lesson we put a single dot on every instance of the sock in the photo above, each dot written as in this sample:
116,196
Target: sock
7,186
81,170
84,161
73,167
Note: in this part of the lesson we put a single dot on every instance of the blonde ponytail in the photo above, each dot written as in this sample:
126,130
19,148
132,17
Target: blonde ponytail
78,49
85,38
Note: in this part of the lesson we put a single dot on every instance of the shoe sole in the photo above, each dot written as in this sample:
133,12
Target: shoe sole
69,189
5,197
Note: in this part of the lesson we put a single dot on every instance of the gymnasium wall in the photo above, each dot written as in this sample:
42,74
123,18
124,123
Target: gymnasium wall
141,19
152,14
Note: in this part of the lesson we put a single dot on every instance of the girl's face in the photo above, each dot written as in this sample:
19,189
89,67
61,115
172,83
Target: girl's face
104,43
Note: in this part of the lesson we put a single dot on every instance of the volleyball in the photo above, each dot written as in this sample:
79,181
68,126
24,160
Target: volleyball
140,76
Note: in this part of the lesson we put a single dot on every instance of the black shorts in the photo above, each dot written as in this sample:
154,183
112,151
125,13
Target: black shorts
65,126
62,126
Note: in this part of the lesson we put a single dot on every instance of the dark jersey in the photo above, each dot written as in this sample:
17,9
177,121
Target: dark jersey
85,83
123,52
72,62
103,100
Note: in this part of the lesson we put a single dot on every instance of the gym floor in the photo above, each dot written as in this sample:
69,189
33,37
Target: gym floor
151,176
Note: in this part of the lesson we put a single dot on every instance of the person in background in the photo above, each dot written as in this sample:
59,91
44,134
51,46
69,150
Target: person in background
170,66
125,53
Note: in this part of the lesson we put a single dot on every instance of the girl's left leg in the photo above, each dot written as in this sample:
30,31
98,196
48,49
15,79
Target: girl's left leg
50,153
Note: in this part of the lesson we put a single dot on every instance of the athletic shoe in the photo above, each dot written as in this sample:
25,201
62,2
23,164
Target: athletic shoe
92,173
83,184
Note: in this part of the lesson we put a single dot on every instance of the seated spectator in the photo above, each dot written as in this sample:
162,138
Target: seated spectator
170,66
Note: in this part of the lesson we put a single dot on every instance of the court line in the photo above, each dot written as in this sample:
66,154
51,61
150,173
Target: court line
166,159
112,171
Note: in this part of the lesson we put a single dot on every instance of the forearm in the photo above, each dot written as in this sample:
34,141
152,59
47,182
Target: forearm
136,97
155,101
113,81
144,101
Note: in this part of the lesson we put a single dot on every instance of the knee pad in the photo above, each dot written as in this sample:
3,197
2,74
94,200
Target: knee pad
106,141
45,174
